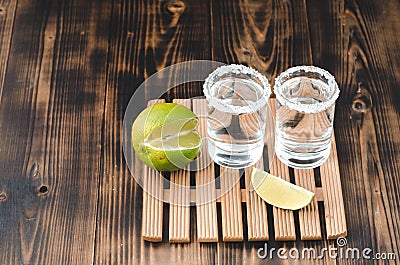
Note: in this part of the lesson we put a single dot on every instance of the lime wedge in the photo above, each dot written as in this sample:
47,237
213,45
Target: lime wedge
279,192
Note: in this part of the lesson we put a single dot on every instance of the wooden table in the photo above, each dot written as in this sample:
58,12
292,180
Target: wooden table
69,68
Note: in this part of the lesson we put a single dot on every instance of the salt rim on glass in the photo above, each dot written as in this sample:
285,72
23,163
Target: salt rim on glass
301,107
236,69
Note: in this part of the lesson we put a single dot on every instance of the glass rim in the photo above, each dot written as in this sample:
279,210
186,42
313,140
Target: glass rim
301,107
237,69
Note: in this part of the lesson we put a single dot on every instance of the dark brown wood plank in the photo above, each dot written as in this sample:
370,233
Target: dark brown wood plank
367,114
7,15
367,38
52,109
52,105
243,32
146,36
270,36
22,208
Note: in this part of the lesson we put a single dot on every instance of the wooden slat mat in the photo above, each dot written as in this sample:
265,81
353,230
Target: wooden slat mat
326,184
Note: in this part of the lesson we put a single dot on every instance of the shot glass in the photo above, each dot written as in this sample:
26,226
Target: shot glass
305,110
237,99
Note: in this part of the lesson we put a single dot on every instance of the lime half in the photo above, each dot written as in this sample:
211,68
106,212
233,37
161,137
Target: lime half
164,136
279,192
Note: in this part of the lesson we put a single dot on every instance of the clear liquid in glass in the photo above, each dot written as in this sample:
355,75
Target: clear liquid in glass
303,138
235,123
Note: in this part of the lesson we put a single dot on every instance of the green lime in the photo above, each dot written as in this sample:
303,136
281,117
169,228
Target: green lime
164,136
279,192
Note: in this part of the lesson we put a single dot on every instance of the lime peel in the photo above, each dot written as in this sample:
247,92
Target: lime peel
278,192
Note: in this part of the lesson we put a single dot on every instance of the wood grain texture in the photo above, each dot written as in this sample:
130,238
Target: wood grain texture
7,16
145,37
231,205
51,96
371,124
179,209
310,228
63,101
152,218
284,223
313,32
153,192
206,205
257,216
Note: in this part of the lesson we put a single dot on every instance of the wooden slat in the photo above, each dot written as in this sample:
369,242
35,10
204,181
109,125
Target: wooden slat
335,217
257,218
207,229
152,205
310,227
231,205
283,219
152,201
179,210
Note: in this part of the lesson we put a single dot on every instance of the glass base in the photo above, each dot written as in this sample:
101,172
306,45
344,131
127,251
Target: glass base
303,160
235,156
